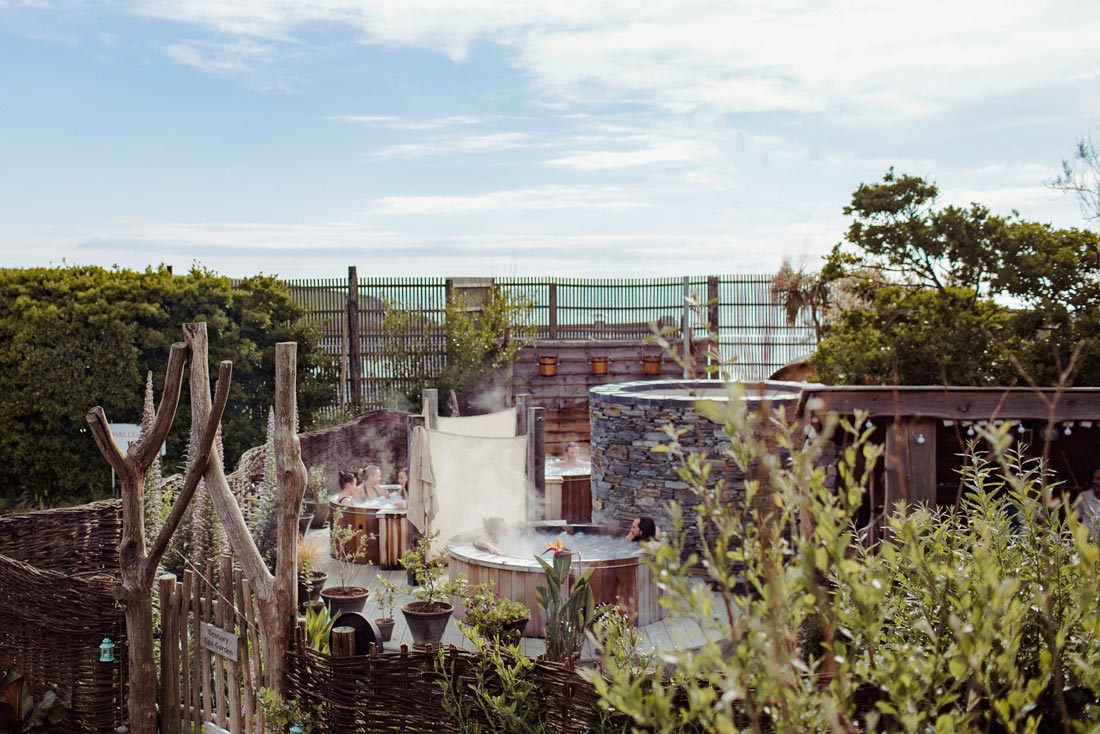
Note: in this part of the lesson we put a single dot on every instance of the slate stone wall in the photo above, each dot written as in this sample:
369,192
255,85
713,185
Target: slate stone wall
630,479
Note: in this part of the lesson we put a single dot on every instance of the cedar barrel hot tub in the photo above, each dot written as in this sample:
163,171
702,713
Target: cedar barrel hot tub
623,580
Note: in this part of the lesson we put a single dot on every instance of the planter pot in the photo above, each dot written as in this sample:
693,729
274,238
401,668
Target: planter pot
599,366
519,626
385,628
303,522
342,599
312,592
427,622
651,364
321,511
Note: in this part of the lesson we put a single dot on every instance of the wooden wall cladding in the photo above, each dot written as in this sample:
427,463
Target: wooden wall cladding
565,394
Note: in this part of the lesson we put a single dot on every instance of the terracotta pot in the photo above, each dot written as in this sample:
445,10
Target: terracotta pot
548,366
342,599
303,522
385,628
427,622
321,511
599,365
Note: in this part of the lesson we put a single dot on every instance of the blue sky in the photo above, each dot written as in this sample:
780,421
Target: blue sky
496,137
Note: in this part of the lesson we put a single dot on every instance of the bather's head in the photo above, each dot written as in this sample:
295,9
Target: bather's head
643,529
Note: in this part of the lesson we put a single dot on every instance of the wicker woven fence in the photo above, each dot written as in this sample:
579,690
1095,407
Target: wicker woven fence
400,691
58,572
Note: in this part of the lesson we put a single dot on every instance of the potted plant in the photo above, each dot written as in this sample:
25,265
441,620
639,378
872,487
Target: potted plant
493,617
345,597
316,500
428,615
319,621
387,599
310,579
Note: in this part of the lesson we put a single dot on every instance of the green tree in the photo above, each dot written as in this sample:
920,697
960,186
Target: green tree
478,341
75,337
958,295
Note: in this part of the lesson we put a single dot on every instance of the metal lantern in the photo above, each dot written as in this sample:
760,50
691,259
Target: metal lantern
107,651
297,728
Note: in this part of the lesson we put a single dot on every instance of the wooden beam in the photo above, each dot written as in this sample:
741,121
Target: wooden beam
431,407
960,403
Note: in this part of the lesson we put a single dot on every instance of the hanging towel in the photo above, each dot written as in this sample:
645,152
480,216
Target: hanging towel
422,507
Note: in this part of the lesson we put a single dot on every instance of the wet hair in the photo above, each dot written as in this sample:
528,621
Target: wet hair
346,478
647,528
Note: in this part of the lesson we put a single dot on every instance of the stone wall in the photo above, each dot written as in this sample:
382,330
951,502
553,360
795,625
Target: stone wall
628,478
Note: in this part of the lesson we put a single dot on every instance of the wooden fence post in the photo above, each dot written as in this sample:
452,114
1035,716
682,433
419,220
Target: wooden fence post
685,327
552,317
353,337
536,462
169,656
343,642
430,404
522,402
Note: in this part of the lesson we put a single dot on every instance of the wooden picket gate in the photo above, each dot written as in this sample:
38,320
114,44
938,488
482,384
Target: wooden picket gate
197,684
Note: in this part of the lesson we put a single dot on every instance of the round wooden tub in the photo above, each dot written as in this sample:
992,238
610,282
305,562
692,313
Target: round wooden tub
364,520
625,581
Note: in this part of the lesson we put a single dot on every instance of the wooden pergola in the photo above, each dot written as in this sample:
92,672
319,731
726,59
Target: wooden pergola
924,427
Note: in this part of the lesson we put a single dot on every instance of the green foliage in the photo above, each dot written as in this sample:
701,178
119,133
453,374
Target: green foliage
386,595
75,337
502,697
890,342
280,714
982,620
157,502
319,621
345,548
957,278
19,712
478,341
491,616
264,528
570,607
315,484
429,571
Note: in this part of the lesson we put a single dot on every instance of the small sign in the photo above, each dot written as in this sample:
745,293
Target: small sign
128,433
218,641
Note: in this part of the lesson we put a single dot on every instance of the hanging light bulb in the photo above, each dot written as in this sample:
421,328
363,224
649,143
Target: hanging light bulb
920,438
1069,429
1020,428
970,431
868,424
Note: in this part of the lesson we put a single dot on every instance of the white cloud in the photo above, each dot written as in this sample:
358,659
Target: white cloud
543,199
404,123
853,58
457,144
243,59
678,153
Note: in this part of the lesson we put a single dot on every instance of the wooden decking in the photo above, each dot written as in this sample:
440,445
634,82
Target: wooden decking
667,634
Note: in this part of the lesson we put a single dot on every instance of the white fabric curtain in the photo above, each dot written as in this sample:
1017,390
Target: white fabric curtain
476,477
492,425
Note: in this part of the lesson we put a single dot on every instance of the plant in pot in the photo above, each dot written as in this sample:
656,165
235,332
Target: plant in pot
428,615
493,617
345,596
387,599
310,579
316,498
319,621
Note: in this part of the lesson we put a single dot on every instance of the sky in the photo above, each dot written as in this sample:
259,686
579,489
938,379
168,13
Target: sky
500,137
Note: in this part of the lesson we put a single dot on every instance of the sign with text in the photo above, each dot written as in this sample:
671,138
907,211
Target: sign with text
218,641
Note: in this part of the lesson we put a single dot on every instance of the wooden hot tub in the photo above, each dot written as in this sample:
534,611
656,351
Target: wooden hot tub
624,581
364,520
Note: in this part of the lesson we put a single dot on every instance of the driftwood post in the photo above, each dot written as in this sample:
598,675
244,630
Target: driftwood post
137,566
276,594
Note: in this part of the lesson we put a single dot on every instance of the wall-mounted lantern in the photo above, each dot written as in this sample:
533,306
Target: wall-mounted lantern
107,651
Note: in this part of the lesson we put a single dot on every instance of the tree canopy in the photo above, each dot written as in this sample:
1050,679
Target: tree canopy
75,337
954,295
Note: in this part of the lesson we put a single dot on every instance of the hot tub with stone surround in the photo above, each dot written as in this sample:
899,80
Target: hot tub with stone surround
627,419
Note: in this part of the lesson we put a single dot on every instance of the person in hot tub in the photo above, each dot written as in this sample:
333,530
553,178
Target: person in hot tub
571,459
643,531
349,490
496,531
370,482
